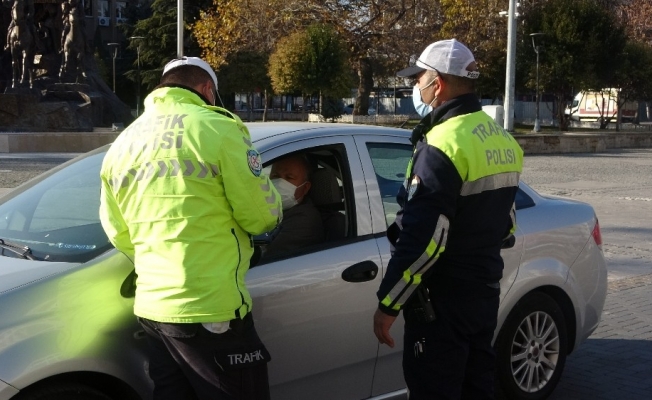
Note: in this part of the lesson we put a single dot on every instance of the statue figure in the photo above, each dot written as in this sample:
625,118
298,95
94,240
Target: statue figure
46,32
21,42
73,41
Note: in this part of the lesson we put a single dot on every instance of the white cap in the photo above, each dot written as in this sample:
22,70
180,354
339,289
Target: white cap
445,56
195,61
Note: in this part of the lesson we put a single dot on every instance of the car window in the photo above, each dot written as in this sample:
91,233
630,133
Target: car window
323,218
58,217
390,162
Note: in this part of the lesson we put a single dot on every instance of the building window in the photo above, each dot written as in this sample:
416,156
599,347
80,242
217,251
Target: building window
120,11
103,10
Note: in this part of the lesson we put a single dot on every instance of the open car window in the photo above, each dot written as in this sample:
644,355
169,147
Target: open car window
325,216
58,217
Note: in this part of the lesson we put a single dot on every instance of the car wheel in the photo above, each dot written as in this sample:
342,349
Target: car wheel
69,391
531,348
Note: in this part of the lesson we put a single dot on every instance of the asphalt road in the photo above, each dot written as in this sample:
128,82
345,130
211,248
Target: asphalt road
616,361
618,184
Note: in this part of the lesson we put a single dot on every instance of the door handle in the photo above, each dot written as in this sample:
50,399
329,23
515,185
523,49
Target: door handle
360,272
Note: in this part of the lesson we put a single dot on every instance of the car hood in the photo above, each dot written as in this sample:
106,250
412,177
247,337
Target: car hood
16,272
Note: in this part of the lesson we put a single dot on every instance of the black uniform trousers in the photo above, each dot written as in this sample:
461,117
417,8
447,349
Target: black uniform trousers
452,356
188,362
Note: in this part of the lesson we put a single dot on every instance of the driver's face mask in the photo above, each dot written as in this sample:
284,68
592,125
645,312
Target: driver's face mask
286,190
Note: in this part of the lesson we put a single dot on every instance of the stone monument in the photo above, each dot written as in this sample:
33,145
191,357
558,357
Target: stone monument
49,80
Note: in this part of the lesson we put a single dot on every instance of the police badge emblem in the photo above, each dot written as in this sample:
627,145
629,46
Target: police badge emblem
255,162
412,187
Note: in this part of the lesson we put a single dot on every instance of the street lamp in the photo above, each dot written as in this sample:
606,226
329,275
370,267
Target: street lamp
139,38
537,49
115,54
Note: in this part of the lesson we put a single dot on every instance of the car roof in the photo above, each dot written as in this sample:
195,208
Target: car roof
290,131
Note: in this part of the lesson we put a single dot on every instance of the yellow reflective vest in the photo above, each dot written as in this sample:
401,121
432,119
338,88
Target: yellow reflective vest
457,203
182,193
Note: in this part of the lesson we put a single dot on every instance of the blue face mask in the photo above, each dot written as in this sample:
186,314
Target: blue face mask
422,108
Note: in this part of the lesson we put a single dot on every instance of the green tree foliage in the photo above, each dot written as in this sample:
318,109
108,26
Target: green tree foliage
160,37
286,63
582,48
327,69
245,72
633,77
310,61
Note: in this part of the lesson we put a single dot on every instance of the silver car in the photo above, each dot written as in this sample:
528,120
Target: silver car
66,296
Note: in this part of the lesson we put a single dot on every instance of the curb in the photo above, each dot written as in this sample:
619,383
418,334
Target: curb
582,142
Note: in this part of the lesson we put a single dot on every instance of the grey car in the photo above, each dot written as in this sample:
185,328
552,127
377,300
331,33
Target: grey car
67,330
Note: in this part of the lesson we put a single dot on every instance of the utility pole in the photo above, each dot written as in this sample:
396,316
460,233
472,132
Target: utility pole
114,46
510,79
179,28
139,38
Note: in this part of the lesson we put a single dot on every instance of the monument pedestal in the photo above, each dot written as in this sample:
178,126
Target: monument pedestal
61,107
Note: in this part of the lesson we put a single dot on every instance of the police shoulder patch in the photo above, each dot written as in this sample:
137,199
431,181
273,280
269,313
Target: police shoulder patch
255,162
413,187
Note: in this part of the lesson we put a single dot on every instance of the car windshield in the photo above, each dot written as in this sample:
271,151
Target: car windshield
57,217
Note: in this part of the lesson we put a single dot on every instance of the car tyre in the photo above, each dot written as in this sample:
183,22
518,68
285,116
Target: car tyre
64,391
531,349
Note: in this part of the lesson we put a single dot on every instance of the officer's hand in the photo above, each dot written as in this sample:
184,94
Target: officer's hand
382,323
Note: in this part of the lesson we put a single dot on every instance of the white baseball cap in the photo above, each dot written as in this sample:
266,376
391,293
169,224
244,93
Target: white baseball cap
445,56
195,61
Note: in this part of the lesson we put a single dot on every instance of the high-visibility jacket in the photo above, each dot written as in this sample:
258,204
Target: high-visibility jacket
457,203
182,193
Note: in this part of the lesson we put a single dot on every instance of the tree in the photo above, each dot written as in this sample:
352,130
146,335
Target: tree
245,72
479,26
633,78
232,26
583,47
636,16
160,33
379,35
310,61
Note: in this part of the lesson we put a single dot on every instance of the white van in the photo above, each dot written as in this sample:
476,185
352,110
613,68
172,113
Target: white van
592,105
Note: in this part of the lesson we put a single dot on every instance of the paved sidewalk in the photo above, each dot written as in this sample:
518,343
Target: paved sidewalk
616,361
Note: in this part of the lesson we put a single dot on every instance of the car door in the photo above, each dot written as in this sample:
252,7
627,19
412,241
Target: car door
317,325
384,162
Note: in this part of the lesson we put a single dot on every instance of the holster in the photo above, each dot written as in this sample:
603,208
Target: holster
419,307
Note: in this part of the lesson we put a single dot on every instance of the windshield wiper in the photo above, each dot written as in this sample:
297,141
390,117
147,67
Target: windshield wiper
23,251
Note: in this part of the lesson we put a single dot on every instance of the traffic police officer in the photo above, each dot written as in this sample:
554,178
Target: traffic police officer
183,192
457,210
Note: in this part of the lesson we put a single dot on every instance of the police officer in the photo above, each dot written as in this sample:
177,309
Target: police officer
183,191
456,213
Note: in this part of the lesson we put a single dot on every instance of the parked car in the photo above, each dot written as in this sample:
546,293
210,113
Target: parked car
66,296
349,110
